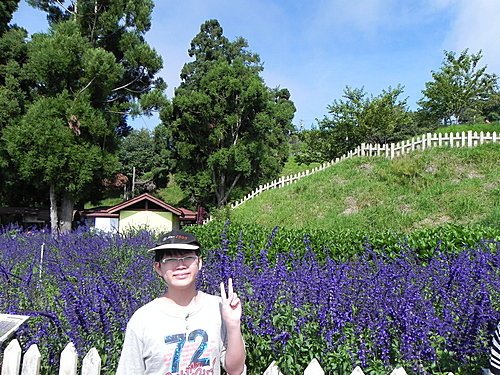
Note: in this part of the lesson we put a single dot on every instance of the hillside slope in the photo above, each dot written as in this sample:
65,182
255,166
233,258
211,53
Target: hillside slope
423,189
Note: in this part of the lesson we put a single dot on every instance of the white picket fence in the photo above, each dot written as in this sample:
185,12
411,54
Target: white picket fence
11,363
91,365
388,150
314,368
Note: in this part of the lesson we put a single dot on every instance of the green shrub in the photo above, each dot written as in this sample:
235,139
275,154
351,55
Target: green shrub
342,244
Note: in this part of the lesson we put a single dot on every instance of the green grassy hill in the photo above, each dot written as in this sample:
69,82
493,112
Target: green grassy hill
422,189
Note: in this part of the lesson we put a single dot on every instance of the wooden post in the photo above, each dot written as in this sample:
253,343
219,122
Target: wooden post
91,364
399,371
11,358
273,369
357,370
314,368
31,361
69,360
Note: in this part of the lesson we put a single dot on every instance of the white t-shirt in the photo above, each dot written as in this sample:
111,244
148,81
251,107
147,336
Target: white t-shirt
164,339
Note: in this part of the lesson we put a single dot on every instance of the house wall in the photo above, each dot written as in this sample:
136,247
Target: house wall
106,224
154,220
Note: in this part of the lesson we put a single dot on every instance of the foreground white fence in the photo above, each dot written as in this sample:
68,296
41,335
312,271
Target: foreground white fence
11,364
388,150
314,368
91,365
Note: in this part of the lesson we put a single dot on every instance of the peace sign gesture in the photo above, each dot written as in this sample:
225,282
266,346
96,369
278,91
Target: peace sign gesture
231,304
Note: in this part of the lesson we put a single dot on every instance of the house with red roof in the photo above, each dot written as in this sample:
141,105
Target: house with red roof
142,212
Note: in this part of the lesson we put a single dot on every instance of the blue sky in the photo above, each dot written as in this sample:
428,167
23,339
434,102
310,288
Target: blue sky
315,48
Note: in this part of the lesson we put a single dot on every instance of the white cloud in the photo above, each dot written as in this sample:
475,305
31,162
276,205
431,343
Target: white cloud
476,27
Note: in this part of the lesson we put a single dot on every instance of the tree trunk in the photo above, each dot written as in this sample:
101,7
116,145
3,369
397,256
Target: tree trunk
54,221
67,206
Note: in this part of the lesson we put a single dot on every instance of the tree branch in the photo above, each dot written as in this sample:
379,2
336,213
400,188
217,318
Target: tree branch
66,9
86,86
231,187
128,84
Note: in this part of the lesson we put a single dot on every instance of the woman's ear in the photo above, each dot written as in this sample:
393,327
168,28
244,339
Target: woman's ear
200,263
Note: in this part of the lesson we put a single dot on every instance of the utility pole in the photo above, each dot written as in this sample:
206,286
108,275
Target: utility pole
133,182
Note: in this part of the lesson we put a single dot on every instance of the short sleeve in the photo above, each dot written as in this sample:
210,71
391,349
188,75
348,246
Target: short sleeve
131,359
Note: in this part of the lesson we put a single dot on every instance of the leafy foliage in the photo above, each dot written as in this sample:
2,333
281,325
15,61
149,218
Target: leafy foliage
228,131
70,143
95,68
459,88
7,9
342,244
143,151
56,154
15,95
357,119
490,109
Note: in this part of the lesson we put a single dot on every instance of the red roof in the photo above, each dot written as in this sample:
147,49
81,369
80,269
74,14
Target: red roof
188,214
142,202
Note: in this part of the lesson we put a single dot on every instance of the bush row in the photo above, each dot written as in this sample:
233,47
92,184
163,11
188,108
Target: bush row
343,244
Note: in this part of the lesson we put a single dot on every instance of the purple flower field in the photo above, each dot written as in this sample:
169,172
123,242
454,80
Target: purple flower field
371,311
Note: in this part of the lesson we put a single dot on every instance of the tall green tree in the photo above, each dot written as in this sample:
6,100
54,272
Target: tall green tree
228,130
386,118
137,151
490,109
7,9
92,71
64,156
15,96
118,27
459,88
354,119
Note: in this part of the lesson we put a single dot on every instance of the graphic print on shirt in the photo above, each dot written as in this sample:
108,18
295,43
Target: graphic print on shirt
188,353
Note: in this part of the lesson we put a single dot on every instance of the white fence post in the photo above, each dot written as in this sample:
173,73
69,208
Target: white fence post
11,358
357,371
314,368
399,371
69,360
272,369
91,364
31,361
429,140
